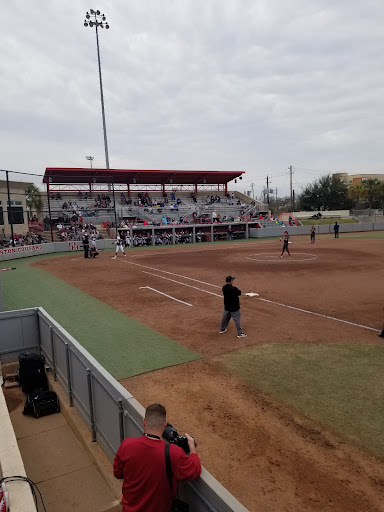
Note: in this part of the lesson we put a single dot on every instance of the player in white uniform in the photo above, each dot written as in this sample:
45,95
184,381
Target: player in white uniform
119,247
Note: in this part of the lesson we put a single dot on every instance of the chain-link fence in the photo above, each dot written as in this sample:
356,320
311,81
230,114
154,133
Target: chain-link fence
368,215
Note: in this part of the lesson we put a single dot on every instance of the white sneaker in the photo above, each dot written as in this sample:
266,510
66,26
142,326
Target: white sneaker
114,258
242,335
225,330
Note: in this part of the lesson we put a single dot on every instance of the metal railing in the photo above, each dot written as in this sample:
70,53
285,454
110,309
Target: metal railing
109,411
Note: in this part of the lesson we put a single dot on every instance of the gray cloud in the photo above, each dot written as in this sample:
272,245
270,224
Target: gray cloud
248,85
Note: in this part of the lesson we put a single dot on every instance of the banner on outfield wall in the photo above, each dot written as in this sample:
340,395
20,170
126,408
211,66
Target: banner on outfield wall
24,248
74,246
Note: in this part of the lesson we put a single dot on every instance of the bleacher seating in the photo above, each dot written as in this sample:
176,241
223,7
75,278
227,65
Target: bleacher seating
188,211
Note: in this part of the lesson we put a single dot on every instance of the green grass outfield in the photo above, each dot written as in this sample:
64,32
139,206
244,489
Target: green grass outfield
122,345
338,386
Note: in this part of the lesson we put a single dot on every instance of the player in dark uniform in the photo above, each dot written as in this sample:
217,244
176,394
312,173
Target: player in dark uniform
313,234
336,228
382,332
285,246
86,245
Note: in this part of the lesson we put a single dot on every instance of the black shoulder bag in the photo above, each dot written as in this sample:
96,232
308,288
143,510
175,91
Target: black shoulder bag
177,505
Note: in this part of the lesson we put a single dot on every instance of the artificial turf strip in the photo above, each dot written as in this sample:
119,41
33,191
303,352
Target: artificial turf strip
338,386
122,345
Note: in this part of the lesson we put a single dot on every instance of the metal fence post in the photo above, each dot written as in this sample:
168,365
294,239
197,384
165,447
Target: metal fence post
121,419
70,395
90,398
53,353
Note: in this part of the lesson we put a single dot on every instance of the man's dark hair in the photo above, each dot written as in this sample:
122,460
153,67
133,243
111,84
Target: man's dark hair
155,415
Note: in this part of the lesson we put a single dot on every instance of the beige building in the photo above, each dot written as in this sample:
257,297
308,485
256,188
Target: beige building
17,208
355,179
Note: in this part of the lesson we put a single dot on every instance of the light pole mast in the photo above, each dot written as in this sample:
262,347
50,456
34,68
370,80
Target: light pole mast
96,19
90,158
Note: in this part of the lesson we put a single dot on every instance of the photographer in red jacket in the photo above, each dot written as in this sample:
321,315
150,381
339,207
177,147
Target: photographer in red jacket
140,462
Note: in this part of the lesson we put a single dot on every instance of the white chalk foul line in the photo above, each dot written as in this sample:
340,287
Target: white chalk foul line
169,296
184,284
170,273
319,314
264,300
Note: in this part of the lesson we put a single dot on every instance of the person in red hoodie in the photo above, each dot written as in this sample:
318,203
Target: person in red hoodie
140,462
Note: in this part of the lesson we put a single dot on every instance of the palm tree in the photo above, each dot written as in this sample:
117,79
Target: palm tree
33,199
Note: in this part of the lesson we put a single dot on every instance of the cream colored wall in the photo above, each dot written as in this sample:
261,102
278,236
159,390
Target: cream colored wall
11,463
348,178
17,193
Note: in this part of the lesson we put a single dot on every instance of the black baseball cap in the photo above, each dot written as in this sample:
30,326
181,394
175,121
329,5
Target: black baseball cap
228,279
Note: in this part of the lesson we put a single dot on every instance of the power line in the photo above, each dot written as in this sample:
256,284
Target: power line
19,172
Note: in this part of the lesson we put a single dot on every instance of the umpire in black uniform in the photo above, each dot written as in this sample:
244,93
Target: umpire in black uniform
231,307
86,245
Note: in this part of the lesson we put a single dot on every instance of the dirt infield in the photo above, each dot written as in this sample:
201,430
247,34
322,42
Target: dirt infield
270,457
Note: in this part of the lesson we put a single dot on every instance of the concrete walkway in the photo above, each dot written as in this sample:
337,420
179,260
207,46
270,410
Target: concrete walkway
57,463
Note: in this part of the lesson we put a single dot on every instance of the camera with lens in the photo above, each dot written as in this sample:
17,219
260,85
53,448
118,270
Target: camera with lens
171,435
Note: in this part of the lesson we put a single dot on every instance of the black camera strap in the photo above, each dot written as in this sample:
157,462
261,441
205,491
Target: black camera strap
177,505
168,464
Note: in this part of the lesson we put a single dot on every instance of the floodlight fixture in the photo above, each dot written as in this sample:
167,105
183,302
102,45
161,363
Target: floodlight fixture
96,19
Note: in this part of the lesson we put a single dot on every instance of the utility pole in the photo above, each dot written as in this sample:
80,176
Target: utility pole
253,192
290,180
277,207
268,191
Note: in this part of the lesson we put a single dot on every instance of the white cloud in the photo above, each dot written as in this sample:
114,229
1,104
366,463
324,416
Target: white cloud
250,85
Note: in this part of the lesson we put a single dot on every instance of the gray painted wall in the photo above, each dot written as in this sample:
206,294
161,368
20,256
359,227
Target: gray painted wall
108,409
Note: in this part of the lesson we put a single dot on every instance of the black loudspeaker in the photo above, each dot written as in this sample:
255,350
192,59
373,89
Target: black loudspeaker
32,372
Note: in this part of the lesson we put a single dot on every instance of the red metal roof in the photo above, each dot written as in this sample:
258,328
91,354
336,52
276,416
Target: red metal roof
137,176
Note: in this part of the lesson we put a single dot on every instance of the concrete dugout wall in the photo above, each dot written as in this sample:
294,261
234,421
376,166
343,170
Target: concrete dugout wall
320,229
12,253
109,411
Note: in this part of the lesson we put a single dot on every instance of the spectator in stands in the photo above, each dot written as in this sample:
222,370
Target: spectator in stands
46,223
214,216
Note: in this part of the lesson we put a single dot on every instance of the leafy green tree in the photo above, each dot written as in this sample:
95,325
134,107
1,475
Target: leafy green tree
357,194
368,193
33,199
327,193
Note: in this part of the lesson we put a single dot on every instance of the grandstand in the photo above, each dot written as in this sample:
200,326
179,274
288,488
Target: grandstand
106,197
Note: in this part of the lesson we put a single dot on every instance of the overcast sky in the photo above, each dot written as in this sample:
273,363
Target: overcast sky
252,85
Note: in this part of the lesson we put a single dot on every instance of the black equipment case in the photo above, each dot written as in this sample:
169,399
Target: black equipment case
41,403
32,372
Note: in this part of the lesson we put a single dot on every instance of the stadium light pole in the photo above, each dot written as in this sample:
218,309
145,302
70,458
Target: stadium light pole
90,158
96,19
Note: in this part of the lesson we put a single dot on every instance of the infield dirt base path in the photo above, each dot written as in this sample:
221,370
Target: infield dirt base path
271,458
